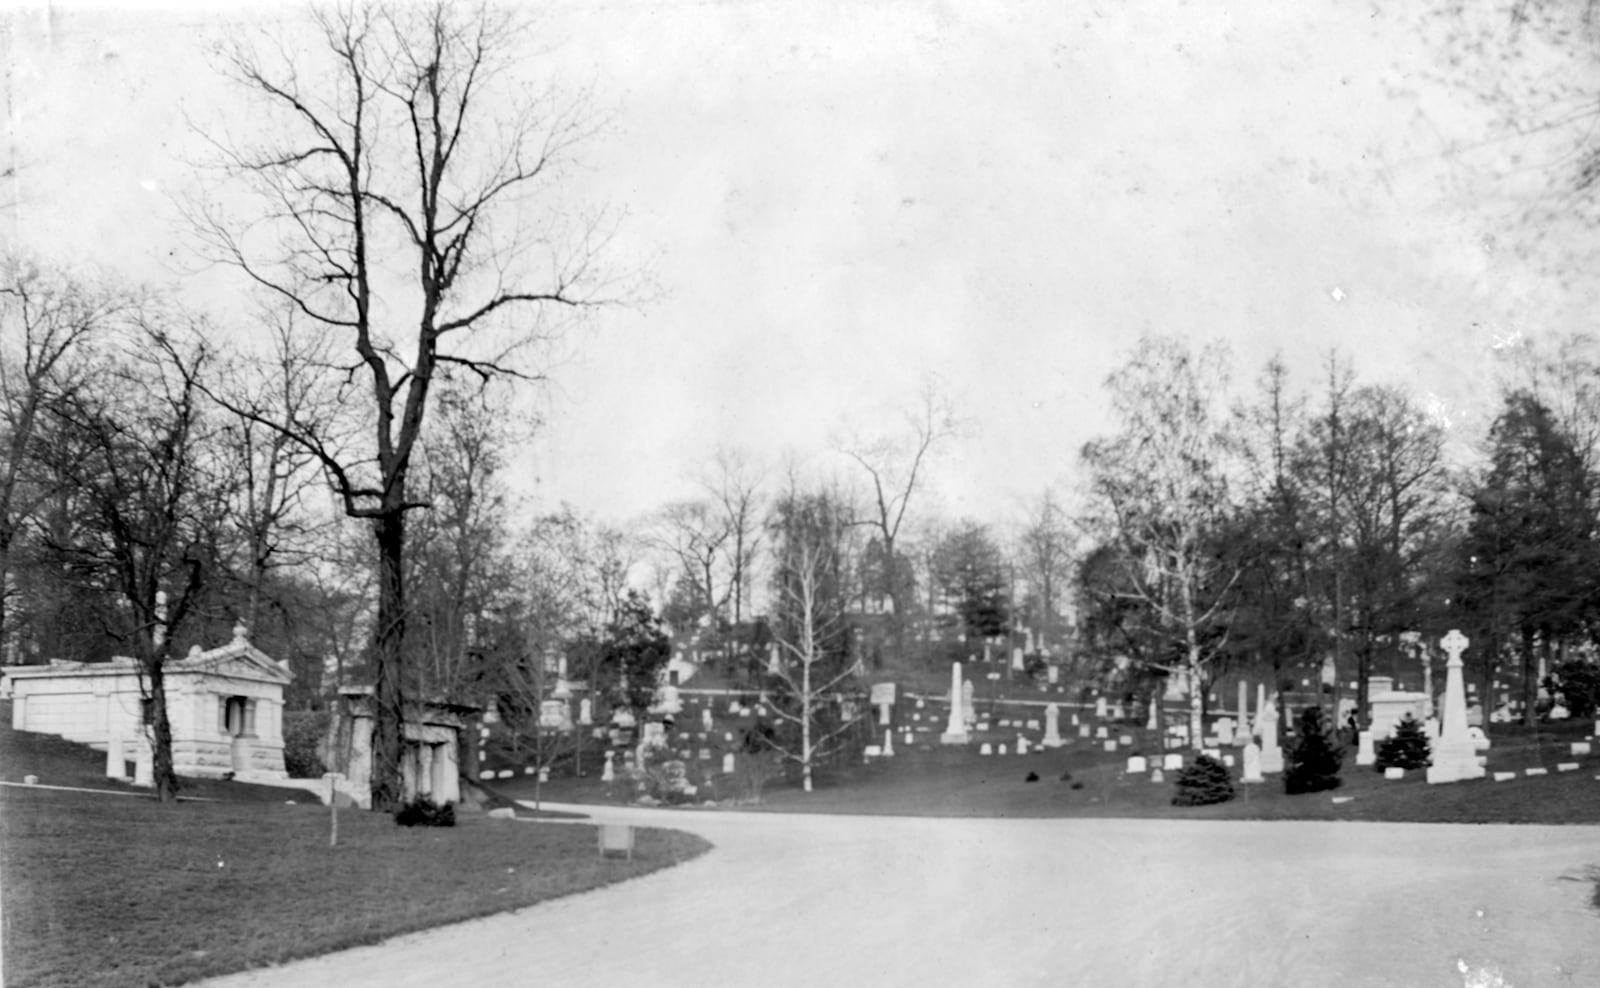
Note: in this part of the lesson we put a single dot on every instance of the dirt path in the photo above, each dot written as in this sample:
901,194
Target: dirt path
809,900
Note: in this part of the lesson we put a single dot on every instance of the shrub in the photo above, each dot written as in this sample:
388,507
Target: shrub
303,735
1204,782
1577,683
424,812
1312,761
1408,747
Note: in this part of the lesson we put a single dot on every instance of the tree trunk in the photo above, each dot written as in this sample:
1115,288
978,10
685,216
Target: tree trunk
166,781
387,658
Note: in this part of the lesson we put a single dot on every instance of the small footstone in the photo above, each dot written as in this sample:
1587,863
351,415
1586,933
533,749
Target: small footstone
1394,772
1536,771
1504,776
1343,799
1567,767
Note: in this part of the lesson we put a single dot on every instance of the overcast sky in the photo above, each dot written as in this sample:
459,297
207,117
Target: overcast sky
840,199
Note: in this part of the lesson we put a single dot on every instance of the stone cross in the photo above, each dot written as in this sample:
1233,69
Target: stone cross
1454,757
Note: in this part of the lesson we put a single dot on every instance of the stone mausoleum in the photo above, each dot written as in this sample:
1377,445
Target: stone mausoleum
225,706
434,734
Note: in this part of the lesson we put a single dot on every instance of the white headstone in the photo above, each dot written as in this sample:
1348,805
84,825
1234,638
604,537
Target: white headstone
1172,761
1252,763
1100,708
1016,659
985,749
1394,772
888,743
1110,745
609,773
705,718
1022,745
1137,765
1101,732
1083,730
727,763
1053,674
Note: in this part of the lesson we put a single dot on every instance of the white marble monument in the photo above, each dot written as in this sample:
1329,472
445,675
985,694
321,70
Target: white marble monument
955,732
1454,756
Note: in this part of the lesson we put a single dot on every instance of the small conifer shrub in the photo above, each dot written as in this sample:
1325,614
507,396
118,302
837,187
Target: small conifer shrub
1312,762
1203,783
424,812
1408,747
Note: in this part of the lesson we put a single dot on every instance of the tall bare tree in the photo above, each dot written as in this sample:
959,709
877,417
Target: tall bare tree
810,533
693,534
47,320
894,466
1160,488
147,500
1046,543
734,486
277,476
400,167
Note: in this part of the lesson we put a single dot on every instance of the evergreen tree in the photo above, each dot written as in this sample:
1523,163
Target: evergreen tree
1203,783
1313,760
1408,747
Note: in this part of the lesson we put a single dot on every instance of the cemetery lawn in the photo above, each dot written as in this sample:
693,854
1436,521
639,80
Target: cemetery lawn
122,890
936,781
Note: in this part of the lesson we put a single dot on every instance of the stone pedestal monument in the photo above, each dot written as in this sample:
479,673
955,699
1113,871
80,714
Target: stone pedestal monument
1454,756
1052,727
955,732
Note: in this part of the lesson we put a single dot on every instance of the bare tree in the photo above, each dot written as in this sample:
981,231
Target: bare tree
1160,487
47,321
693,534
894,465
276,474
735,488
810,532
396,209
1046,551
147,500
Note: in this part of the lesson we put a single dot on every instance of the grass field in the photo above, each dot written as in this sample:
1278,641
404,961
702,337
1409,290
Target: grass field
122,890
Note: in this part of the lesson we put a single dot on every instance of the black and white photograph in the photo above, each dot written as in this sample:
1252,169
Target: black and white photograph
768,492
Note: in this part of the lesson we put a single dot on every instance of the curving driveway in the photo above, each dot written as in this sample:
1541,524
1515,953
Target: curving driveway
815,900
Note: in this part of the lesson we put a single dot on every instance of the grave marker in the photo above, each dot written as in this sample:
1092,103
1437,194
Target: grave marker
1052,726
1252,763
1454,756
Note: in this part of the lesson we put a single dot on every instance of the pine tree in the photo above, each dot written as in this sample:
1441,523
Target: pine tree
1203,783
1313,760
1408,747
